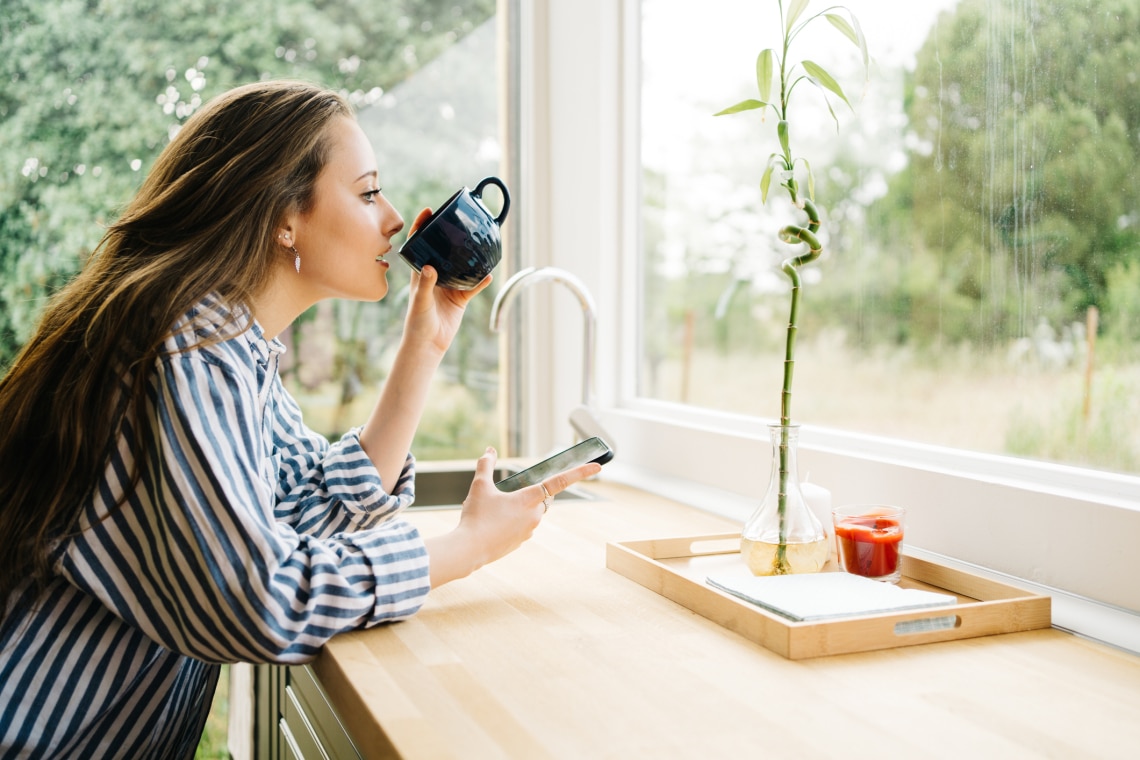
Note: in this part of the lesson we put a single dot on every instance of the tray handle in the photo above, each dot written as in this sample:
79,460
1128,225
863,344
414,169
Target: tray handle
686,546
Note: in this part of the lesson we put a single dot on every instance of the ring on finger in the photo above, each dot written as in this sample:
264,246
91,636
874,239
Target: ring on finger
546,497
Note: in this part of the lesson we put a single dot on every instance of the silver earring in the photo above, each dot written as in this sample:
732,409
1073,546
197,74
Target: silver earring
296,259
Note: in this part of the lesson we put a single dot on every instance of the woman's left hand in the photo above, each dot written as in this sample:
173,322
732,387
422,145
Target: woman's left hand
434,314
494,523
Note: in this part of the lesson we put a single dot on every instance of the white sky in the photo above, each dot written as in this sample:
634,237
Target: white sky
699,56
713,34
706,49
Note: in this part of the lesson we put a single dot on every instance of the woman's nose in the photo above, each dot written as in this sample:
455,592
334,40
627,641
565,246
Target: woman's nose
393,222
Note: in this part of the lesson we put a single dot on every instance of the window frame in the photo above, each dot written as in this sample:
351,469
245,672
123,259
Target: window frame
1011,517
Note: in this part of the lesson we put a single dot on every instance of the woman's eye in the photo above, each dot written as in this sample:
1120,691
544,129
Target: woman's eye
370,196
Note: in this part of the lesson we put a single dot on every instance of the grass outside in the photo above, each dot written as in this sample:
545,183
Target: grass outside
213,745
962,401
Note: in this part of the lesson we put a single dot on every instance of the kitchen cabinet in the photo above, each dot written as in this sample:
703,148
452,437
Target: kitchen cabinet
295,720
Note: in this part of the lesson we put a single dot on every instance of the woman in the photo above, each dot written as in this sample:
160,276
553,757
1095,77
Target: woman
162,506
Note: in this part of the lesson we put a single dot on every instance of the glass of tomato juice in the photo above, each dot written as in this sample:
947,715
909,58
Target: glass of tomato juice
869,540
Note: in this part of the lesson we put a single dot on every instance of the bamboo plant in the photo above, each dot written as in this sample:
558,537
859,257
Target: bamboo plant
784,166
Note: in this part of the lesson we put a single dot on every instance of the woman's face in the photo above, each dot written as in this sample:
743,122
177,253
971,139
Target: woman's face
349,227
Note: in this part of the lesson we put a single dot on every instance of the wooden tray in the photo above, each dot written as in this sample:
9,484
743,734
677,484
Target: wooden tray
676,568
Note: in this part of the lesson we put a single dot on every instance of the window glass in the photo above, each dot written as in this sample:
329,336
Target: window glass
979,285
91,92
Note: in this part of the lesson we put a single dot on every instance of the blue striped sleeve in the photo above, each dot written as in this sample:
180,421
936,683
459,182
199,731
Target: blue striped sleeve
324,489
196,557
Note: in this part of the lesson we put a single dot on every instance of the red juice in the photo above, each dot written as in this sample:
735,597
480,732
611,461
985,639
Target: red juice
869,545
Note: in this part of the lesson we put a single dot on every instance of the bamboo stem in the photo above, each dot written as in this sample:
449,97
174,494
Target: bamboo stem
793,235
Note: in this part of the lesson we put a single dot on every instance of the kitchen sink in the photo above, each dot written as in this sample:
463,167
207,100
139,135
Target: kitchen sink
445,486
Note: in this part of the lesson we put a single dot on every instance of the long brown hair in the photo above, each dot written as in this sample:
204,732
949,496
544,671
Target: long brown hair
202,222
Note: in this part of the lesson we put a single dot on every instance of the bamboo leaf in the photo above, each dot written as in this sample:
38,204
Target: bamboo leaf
811,179
782,131
797,8
765,182
831,111
764,74
821,77
744,105
775,161
841,24
862,42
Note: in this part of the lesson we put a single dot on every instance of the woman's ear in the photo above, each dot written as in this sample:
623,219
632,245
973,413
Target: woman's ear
288,228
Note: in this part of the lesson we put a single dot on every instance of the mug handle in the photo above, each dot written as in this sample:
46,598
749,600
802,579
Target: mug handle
478,193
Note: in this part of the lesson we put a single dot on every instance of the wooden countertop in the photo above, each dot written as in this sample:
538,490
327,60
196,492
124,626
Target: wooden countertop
547,654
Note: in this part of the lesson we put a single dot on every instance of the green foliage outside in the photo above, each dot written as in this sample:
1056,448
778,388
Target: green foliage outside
1019,208
214,744
1021,197
91,91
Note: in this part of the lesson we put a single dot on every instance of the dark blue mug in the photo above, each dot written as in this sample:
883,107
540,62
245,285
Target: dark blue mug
461,239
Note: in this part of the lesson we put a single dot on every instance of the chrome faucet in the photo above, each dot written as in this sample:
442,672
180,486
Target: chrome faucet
583,419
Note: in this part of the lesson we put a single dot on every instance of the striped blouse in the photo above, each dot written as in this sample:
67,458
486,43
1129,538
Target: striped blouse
248,538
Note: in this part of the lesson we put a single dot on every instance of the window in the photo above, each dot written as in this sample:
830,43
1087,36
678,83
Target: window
436,130
90,96
980,225
655,204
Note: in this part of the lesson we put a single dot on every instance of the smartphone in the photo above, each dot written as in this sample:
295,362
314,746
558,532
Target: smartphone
590,450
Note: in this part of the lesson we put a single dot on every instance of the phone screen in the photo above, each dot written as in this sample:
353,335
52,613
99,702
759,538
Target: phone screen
589,450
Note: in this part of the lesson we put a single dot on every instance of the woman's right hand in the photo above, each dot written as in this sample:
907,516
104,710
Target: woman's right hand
494,523
435,313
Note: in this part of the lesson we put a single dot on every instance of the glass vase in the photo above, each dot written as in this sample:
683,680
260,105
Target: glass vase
783,536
